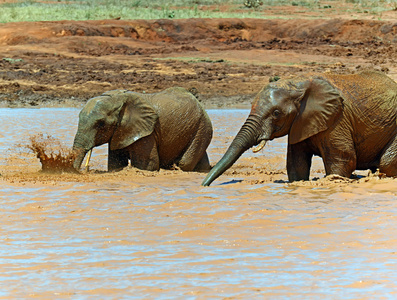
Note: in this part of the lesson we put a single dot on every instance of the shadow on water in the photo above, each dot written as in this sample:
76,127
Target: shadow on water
231,182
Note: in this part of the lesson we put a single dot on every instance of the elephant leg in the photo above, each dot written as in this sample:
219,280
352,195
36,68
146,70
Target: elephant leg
195,156
388,160
117,159
299,161
203,165
144,154
339,160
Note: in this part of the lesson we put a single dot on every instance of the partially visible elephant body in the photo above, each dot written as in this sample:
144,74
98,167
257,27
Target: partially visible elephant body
364,135
348,120
183,131
151,130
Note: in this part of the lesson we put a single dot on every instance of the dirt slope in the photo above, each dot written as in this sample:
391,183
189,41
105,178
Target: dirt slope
226,61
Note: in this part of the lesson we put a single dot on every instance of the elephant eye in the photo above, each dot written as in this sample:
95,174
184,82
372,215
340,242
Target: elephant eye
100,123
276,113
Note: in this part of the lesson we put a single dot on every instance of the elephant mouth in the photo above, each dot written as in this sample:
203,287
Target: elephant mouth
260,146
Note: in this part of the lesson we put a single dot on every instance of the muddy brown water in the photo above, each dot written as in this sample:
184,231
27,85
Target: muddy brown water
144,235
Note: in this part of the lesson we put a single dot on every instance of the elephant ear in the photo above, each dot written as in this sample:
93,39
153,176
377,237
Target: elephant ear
319,108
137,120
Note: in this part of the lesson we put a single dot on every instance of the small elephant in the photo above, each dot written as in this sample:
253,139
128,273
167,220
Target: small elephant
153,131
348,120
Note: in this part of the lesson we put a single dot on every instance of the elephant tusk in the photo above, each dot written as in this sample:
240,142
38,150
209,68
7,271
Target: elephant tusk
88,160
259,147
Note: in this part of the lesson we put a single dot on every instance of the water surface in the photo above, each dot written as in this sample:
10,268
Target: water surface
144,235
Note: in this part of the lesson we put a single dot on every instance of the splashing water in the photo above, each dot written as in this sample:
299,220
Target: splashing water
53,155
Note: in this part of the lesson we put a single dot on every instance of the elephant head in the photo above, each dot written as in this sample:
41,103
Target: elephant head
117,117
300,107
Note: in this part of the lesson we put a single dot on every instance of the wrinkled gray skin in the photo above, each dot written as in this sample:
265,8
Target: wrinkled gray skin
348,120
153,131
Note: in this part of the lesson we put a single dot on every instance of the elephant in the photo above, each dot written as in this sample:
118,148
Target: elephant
160,130
349,120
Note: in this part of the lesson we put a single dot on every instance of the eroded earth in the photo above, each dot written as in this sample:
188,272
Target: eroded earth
224,61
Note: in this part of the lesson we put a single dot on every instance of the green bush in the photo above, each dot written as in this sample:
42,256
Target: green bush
253,3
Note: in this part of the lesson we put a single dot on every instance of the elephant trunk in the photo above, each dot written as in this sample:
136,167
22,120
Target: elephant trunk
80,147
79,158
245,139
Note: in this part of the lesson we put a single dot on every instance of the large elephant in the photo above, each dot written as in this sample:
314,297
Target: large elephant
348,120
153,131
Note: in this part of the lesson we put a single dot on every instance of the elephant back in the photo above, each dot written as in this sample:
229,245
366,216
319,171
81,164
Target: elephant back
181,117
176,98
370,94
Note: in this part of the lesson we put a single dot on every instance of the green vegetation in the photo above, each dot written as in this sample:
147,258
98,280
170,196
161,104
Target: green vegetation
125,9
12,60
46,10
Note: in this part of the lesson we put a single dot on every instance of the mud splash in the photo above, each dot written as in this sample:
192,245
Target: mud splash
54,156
